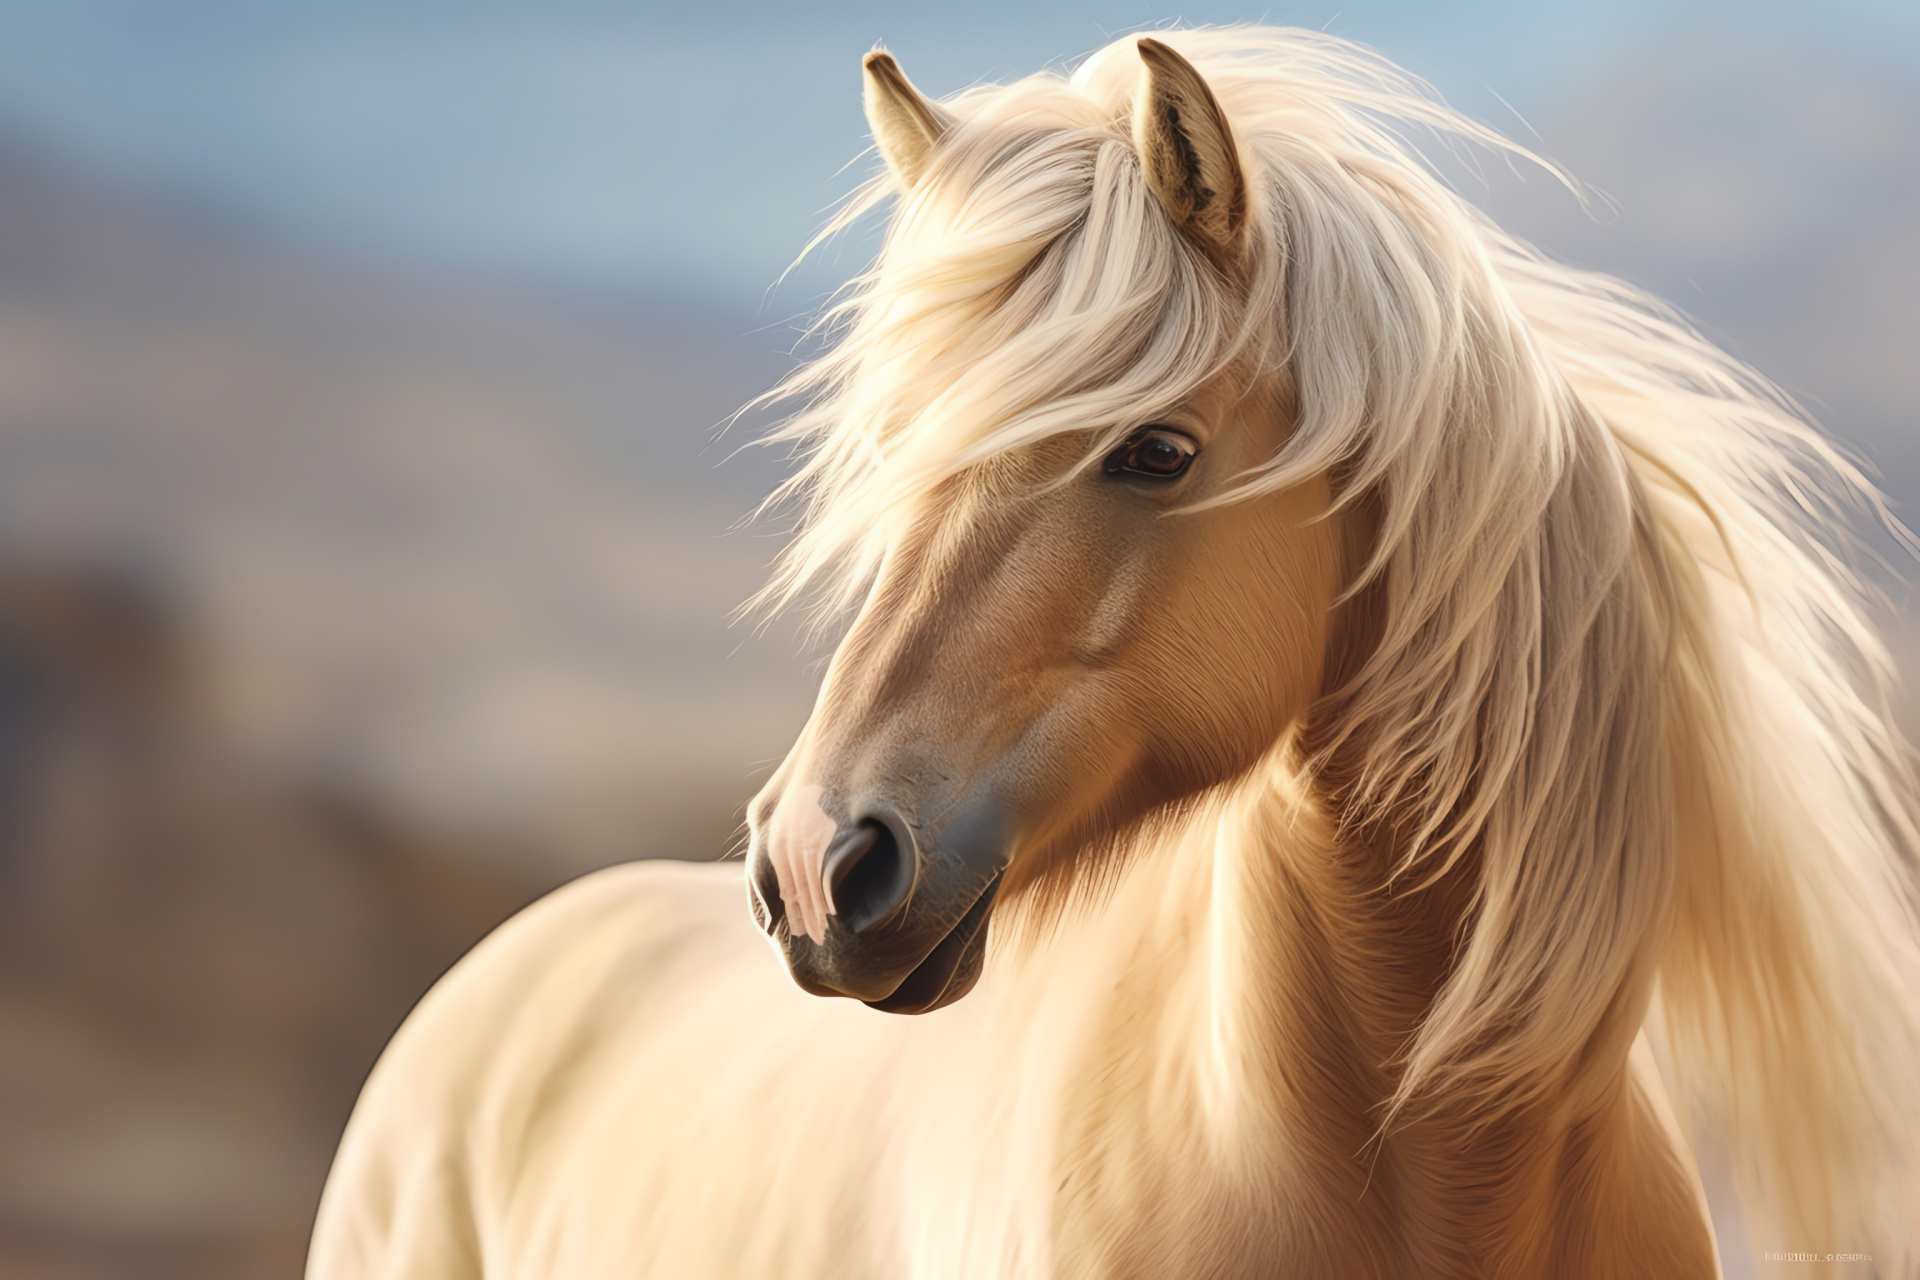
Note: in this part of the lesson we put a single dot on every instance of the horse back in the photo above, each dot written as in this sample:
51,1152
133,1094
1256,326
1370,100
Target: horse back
557,1104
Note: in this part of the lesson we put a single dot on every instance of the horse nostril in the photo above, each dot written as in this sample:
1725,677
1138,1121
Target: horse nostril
763,895
869,873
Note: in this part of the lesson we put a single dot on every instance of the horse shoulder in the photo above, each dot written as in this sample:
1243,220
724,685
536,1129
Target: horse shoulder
478,1077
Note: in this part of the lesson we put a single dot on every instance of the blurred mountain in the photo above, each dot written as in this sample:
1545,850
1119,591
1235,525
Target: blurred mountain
341,613
1771,191
467,550
197,963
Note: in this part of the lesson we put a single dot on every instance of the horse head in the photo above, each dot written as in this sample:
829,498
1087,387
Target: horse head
1063,639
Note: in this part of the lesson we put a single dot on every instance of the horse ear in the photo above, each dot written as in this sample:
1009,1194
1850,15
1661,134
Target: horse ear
906,126
1187,149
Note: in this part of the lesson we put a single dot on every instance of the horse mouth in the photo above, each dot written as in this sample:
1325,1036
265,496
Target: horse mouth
951,968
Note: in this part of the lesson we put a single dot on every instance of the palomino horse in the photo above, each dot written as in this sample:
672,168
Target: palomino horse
1353,738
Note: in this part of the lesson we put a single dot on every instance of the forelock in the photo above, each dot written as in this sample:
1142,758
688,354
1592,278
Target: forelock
1030,286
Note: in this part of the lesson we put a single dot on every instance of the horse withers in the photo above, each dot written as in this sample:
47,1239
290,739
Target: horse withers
1351,739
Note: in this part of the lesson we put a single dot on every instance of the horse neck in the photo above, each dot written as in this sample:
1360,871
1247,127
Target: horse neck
1273,975
1322,964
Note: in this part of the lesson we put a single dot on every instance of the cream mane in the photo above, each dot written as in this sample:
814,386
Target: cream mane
1622,662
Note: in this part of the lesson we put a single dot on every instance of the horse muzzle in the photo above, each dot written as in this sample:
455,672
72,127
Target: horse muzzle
906,926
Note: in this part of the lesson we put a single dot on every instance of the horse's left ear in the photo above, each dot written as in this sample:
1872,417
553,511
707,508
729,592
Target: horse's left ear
1187,150
906,125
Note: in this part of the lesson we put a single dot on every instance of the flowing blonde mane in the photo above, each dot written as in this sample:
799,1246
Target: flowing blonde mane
1623,662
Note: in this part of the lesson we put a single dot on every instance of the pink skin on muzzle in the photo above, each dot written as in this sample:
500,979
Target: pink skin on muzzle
798,835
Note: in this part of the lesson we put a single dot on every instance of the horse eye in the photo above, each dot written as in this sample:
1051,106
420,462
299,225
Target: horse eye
1157,453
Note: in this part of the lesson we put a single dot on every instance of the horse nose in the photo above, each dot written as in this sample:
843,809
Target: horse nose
869,871
763,896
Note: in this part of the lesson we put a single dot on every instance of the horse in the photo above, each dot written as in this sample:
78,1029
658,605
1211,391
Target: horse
1357,745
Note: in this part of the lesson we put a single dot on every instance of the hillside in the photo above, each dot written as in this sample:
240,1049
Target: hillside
341,612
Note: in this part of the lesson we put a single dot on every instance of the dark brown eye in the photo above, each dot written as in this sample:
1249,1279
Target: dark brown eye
1155,453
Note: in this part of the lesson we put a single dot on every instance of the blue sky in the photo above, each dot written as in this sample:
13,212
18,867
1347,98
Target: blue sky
675,154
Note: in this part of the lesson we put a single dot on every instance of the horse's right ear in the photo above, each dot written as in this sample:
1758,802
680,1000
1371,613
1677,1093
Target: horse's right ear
906,125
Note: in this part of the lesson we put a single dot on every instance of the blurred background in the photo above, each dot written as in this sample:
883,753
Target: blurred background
367,541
